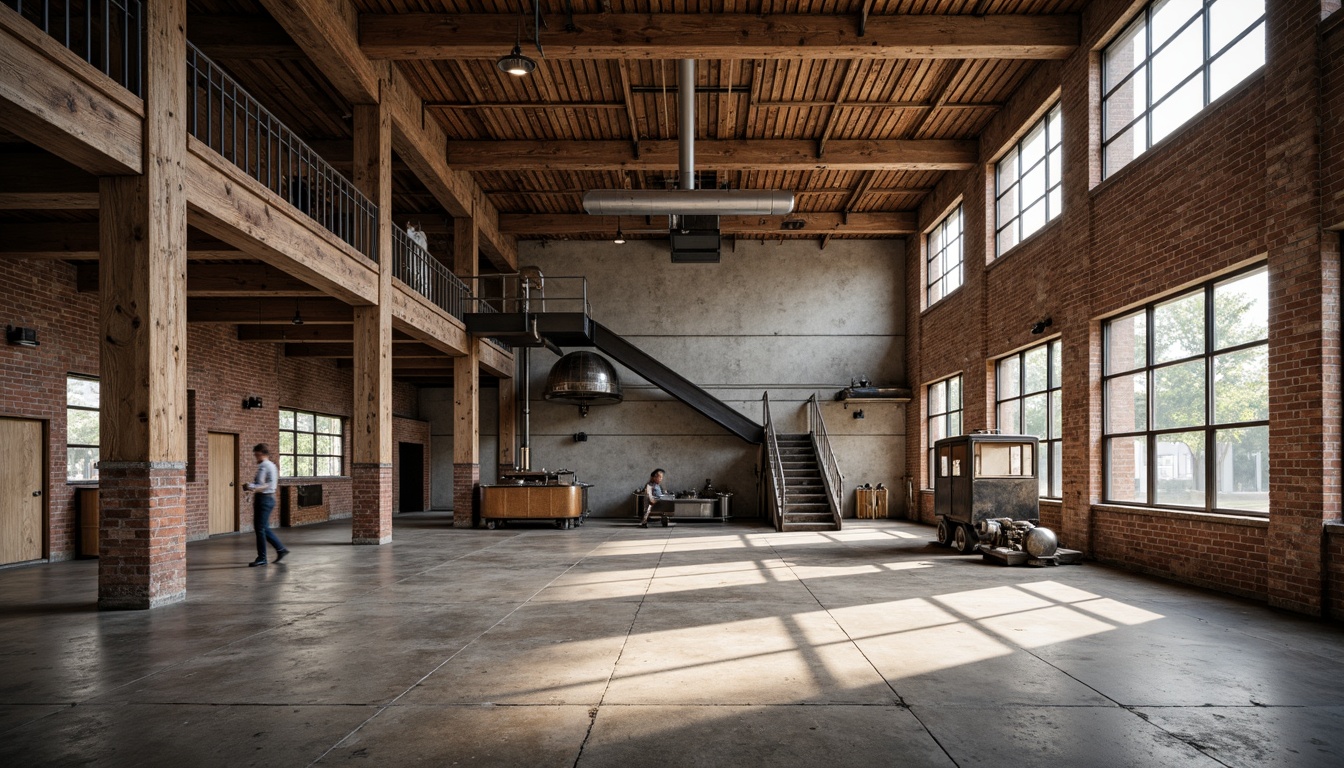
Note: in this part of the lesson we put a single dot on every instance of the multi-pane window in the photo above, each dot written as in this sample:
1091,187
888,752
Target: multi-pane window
944,257
1029,403
944,409
310,444
1186,399
81,428
1027,182
1175,58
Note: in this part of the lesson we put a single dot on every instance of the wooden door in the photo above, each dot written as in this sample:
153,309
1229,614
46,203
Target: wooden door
223,483
22,450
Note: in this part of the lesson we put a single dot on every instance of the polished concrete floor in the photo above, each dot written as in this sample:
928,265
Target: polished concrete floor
691,646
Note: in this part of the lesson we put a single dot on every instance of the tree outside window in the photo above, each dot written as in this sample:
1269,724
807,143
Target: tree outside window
1186,399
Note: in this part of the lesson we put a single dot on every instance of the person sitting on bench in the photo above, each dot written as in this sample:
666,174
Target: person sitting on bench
653,492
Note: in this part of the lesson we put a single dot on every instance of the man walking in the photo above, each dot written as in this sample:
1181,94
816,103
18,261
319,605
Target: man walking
263,503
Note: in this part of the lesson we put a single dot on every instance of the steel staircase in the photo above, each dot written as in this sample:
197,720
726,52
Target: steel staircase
806,505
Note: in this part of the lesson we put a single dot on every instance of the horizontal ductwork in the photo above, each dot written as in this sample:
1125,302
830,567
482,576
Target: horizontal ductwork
688,202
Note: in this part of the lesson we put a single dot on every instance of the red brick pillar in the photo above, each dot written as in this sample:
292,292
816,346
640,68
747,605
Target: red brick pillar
371,492
466,479
1304,331
142,540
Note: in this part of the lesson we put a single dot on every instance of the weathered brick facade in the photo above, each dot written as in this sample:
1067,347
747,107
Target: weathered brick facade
466,482
221,372
372,492
1248,180
141,550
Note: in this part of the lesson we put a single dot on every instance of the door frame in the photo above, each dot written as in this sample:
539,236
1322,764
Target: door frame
237,470
45,555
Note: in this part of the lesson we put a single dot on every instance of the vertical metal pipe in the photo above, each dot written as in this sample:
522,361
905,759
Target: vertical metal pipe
686,121
525,435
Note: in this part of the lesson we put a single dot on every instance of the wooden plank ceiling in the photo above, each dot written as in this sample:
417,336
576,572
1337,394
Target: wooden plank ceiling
811,112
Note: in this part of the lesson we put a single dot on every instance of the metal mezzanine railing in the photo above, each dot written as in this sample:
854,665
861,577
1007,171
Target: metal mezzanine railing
774,467
227,119
108,34
427,276
830,468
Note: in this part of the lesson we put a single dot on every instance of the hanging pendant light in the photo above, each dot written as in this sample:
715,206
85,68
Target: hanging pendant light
620,236
298,318
516,63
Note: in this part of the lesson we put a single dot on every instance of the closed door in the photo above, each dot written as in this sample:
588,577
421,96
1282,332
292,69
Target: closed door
223,482
21,452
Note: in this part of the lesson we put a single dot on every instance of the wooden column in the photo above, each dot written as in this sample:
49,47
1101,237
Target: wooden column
371,450
143,342
466,387
508,424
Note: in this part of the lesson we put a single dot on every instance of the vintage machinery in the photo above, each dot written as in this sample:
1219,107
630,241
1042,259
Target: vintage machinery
1022,542
556,496
986,498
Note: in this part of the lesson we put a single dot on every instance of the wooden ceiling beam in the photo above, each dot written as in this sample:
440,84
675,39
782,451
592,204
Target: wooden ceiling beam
308,334
48,201
408,351
572,191
206,280
547,225
442,36
79,242
251,311
629,101
733,155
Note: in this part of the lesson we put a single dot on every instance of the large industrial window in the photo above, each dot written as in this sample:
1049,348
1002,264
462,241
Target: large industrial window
1029,403
944,408
1175,58
1186,399
944,257
81,429
1027,182
310,444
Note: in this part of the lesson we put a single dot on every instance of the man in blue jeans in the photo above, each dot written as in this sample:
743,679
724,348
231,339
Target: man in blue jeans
263,503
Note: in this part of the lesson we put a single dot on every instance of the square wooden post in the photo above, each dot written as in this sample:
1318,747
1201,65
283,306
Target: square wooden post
466,387
143,345
372,431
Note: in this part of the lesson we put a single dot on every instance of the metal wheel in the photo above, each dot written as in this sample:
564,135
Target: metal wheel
490,525
944,532
665,521
964,540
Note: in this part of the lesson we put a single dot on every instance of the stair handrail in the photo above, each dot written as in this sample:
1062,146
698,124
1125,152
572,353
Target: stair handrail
775,464
830,468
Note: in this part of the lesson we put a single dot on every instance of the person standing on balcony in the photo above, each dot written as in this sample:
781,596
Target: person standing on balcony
263,488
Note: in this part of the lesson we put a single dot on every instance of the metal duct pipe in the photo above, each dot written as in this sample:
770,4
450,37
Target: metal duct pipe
688,202
686,122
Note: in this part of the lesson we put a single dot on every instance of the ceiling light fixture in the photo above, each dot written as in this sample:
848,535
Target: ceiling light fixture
516,63
298,318
620,236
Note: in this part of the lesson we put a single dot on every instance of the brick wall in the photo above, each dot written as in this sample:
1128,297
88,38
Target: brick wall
221,372
1246,180
33,378
1332,122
